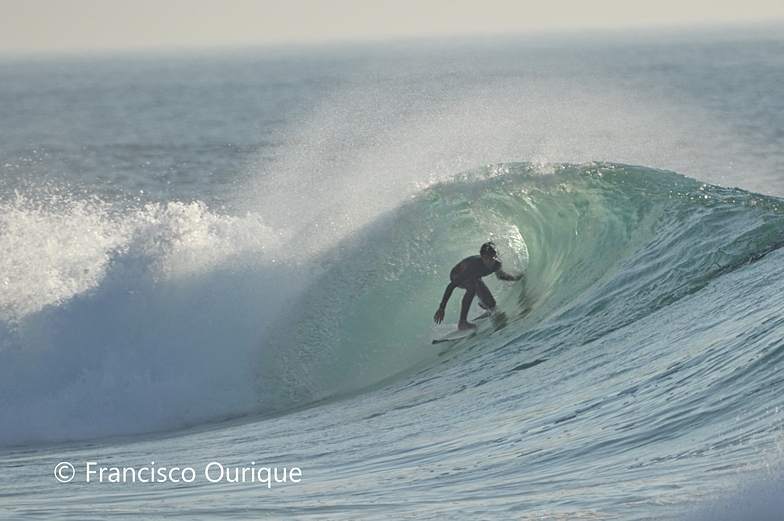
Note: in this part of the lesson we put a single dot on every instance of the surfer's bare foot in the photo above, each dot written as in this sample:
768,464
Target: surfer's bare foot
464,324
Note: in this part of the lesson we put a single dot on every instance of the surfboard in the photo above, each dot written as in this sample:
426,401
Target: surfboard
457,334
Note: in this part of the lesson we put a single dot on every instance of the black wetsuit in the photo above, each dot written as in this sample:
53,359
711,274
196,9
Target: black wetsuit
467,274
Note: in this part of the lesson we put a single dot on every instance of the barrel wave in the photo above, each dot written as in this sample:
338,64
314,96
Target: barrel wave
649,303
637,358
602,247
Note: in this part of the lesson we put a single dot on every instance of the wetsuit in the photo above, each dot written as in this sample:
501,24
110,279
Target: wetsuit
467,274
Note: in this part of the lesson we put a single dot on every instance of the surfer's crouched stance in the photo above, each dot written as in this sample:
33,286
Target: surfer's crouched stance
468,275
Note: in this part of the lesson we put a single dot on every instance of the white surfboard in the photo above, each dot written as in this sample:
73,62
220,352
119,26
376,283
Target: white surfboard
457,334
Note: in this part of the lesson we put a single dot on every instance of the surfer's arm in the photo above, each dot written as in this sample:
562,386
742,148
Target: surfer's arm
448,293
502,275
505,276
439,316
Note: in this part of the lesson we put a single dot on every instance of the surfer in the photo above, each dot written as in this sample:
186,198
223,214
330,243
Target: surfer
467,274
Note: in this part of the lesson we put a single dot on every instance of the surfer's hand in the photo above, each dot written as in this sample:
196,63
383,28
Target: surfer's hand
439,316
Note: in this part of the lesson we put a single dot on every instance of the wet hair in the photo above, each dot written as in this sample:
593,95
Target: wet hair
488,248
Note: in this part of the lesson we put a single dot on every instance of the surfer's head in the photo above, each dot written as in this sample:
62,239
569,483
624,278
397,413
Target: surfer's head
488,250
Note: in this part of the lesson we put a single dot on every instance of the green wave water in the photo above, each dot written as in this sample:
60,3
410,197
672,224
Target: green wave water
601,246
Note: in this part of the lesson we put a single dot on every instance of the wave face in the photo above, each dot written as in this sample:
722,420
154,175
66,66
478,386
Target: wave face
128,321
602,246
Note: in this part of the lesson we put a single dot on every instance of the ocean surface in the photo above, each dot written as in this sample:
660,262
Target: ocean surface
219,271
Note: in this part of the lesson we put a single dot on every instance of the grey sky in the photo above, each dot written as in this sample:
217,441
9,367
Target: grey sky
44,26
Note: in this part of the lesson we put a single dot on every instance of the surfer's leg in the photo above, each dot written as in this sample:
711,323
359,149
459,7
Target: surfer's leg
486,300
467,299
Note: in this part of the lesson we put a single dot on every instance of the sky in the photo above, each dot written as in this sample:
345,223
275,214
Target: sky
79,26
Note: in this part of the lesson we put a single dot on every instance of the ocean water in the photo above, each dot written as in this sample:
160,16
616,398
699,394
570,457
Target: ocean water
219,272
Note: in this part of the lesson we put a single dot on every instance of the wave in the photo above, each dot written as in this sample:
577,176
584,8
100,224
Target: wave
602,245
157,318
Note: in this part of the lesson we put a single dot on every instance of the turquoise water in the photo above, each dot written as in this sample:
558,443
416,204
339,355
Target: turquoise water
220,266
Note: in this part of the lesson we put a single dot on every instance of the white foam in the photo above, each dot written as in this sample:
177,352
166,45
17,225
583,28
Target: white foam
52,250
128,321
